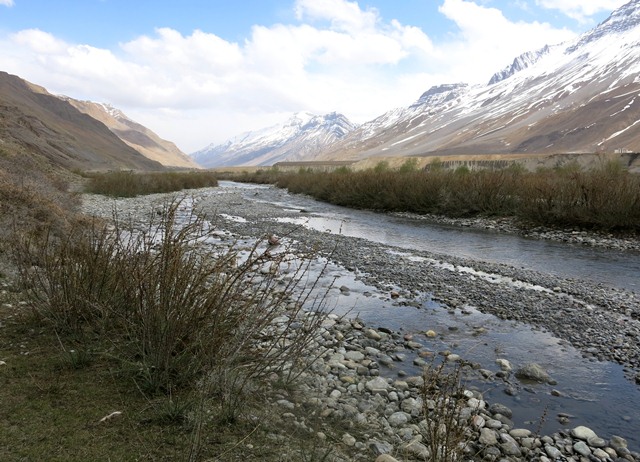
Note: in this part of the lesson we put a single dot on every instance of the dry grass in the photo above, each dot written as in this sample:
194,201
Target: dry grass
130,184
606,198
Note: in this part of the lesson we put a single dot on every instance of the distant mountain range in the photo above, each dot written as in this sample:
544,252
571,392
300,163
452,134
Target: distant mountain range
135,135
303,136
579,96
78,134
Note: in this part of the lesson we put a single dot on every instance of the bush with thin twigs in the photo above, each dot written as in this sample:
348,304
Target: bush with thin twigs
130,184
446,431
177,312
605,198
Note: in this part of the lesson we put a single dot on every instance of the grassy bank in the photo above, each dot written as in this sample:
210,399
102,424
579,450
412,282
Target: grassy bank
130,184
606,198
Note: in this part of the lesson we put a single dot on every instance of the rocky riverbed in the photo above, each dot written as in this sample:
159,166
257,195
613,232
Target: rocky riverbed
351,380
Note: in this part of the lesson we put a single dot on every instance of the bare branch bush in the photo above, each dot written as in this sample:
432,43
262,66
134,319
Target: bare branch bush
177,310
446,428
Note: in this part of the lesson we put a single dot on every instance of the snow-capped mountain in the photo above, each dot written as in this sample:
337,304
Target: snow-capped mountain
519,64
580,96
299,138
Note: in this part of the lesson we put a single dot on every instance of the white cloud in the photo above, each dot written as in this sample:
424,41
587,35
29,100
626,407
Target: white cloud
488,41
199,88
581,10
6,2
342,14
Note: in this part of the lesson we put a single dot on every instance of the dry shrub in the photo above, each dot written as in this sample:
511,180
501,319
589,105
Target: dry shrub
130,184
605,198
176,311
445,429
32,198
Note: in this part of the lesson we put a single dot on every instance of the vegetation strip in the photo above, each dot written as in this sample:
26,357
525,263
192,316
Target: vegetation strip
607,198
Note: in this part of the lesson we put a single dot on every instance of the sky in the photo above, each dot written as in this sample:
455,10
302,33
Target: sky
199,72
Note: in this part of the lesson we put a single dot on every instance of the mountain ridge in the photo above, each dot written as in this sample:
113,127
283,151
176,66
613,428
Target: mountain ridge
134,134
40,124
579,96
300,137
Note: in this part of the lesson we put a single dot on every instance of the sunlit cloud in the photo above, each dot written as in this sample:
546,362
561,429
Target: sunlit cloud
199,88
581,10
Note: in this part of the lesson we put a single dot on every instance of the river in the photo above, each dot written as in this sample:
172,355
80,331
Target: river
592,393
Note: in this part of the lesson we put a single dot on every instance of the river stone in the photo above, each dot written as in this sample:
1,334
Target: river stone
533,371
493,423
397,419
286,404
581,448
488,437
386,458
475,403
511,448
596,442
372,334
348,439
411,405
478,421
552,452
600,454
583,433
497,408
431,334
377,385
401,385
618,442
504,364
415,381
380,447
354,356
416,449
491,453
520,433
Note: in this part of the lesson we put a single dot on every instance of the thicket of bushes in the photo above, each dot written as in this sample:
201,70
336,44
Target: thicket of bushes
606,198
130,184
179,316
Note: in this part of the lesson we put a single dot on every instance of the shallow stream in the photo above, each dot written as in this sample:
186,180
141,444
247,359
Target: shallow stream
592,393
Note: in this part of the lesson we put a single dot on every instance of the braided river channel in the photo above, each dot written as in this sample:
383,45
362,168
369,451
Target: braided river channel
586,391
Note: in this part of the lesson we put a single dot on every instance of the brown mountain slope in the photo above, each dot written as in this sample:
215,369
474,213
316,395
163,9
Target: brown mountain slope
40,124
140,138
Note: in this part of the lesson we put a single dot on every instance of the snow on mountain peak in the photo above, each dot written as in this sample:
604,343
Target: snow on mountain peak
299,137
623,19
440,94
519,63
581,95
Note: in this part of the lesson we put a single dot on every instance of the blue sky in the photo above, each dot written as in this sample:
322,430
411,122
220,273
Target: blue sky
202,71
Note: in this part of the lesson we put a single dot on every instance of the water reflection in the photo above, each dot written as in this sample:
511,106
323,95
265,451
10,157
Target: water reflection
595,394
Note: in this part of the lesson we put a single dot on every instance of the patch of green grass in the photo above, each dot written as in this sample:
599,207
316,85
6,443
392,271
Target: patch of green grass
52,412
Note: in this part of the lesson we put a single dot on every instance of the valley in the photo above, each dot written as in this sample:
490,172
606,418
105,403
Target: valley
498,299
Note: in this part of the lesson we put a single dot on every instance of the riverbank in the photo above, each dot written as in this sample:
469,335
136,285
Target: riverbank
513,226
599,321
